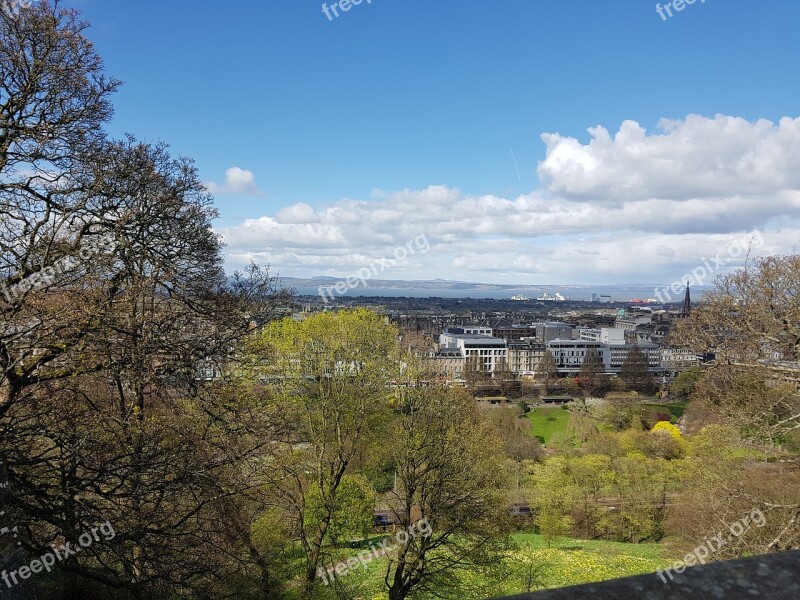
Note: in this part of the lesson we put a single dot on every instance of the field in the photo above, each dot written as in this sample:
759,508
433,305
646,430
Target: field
548,420
534,566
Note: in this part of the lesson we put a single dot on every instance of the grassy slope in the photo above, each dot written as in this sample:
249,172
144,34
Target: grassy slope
567,562
548,420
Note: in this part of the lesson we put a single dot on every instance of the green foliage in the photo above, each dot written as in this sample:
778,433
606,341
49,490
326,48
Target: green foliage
685,383
553,525
353,514
581,427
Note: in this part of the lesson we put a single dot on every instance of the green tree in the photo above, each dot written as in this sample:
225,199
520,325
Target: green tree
450,474
554,496
684,384
353,514
330,374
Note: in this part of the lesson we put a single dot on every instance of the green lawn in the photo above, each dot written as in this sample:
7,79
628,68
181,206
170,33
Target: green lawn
531,566
571,562
548,420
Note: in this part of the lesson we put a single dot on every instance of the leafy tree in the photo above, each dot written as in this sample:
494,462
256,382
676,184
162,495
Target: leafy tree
474,372
641,487
113,293
554,496
515,430
755,507
353,514
330,374
750,318
581,426
593,474
620,411
447,478
750,399
686,381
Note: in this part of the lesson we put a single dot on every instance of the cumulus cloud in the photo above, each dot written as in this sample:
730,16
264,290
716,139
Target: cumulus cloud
632,207
692,158
237,181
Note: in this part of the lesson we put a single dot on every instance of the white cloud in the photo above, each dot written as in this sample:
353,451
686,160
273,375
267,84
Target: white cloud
632,207
237,181
697,157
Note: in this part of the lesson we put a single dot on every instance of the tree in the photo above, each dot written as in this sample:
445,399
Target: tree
635,372
750,321
113,292
353,515
621,411
515,430
751,399
449,474
755,507
591,372
686,381
329,376
553,498
475,372
547,370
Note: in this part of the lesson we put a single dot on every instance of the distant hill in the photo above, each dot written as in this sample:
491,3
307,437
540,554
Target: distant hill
452,289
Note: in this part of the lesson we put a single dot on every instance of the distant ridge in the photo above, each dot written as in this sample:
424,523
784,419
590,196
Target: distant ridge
455,288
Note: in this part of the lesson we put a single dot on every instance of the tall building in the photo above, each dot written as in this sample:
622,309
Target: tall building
687,303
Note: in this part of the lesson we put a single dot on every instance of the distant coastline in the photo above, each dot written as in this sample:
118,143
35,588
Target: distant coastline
440,288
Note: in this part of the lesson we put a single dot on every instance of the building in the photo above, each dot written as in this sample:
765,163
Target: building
618,355
470,330
678,359
515,332
604,335
449,364
547,332
569,354
524,356
487,353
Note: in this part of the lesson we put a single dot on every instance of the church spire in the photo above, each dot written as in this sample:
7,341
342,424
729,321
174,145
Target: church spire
687,303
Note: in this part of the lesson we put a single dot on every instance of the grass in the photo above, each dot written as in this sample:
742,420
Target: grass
571,562
532,565
548,420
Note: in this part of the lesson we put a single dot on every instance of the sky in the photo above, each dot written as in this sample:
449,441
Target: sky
525,141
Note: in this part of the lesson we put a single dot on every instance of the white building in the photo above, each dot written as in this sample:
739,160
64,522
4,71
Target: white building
607,335
618,355
570,354
488,352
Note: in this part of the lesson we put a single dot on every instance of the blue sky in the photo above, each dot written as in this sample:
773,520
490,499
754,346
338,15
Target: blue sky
343,140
